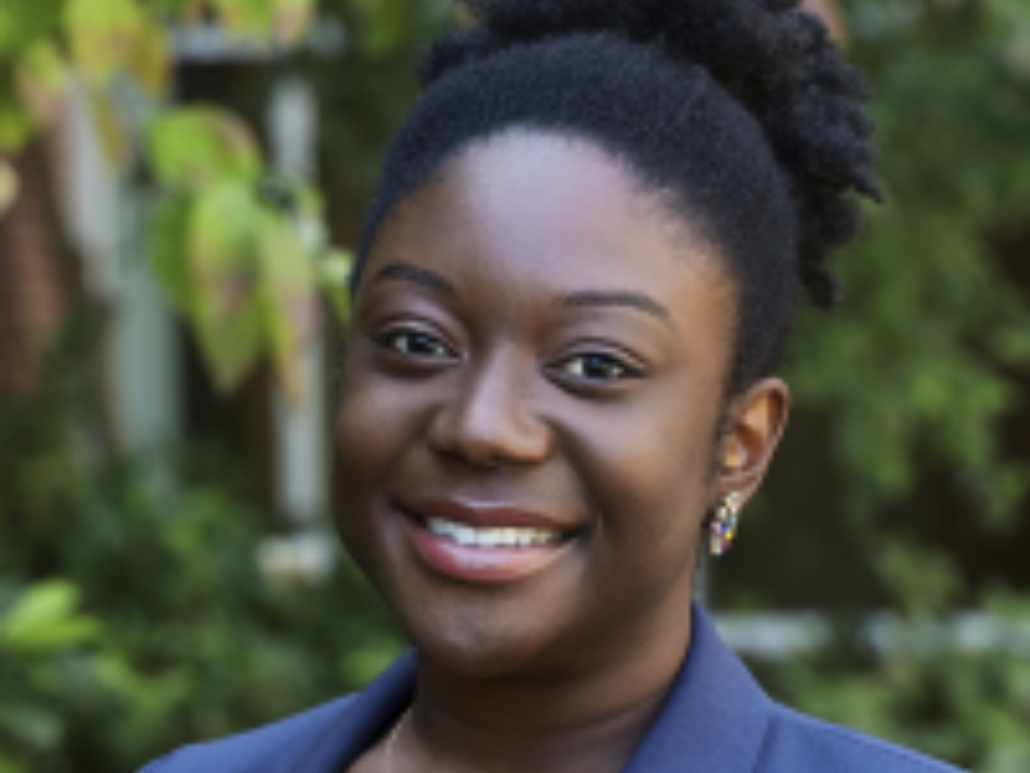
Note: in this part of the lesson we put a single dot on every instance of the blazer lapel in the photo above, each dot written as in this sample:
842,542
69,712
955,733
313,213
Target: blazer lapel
715,717
360,722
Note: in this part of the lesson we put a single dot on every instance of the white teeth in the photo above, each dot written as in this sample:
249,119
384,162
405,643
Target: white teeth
463,535
470,536
486,539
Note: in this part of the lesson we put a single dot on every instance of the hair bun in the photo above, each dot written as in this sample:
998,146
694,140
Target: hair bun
776,60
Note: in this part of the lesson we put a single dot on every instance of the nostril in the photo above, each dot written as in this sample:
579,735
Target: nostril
489,435
490,419
478,452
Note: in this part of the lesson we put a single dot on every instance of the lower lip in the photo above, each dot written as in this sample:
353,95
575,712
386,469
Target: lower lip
480,565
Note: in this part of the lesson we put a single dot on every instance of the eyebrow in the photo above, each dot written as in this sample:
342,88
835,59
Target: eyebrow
617,298
405,272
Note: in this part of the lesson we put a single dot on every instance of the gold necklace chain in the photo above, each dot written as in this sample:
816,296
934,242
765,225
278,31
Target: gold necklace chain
391,742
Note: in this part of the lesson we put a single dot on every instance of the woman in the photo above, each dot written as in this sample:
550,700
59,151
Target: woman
559,385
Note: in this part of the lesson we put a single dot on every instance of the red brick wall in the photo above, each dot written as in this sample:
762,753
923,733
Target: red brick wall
31,294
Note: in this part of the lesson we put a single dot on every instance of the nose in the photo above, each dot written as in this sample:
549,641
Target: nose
488,421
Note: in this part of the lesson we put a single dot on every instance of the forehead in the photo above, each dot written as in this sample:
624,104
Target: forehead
560,212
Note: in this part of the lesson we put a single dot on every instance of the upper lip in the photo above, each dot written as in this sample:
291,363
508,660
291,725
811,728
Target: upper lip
481,515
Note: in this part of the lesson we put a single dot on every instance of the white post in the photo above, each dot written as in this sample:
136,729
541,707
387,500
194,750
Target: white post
105,221
300,431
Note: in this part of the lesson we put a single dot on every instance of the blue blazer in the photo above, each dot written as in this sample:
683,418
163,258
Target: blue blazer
716,720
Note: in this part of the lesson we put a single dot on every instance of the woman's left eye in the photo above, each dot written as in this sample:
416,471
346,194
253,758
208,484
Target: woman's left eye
415,344
597,368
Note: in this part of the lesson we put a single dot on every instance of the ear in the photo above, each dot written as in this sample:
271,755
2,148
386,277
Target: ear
753,427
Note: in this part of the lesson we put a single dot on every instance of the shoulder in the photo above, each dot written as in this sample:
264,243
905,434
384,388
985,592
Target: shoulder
255,749
796,743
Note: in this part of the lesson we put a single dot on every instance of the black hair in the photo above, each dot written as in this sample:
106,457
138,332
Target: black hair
743,112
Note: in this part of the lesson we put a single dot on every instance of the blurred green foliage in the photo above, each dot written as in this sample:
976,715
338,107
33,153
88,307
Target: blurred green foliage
135,616
930,356
920,373
150,621
931,315
38,625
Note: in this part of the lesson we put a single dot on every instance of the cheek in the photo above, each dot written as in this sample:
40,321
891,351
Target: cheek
652,487
665,486
368,435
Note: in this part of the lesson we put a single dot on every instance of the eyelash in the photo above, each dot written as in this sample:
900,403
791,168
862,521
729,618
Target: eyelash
572,370
433,348
623,370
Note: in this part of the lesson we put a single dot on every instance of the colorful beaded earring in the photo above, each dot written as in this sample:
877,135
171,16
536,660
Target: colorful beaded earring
723,529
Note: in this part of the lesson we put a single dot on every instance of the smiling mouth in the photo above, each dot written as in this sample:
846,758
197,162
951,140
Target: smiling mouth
486,546
492,538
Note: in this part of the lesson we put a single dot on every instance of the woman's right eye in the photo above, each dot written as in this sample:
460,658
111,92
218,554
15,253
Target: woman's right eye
415,344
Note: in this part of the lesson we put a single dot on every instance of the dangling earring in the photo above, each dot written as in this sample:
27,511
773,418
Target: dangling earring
723,528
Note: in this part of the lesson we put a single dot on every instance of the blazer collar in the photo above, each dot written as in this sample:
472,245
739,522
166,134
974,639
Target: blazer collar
359,722
714,718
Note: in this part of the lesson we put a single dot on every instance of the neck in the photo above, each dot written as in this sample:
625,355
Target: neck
587,718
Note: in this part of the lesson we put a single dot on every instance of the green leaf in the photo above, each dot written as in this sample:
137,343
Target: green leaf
113,135
15,121
23,23
149,60
333,275
227,230
103,34
167,239
292,312
192,147
45,619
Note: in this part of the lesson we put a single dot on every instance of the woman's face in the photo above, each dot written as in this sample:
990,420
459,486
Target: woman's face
530,401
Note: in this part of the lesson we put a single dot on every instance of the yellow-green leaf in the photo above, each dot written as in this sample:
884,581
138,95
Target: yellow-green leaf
149,60
23,23
109,127
292,312
15,121
167,248
45,618
227,227
102,34
190,147
333,274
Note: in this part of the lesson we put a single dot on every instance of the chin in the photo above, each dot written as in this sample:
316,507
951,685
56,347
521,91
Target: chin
477,654
483,639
